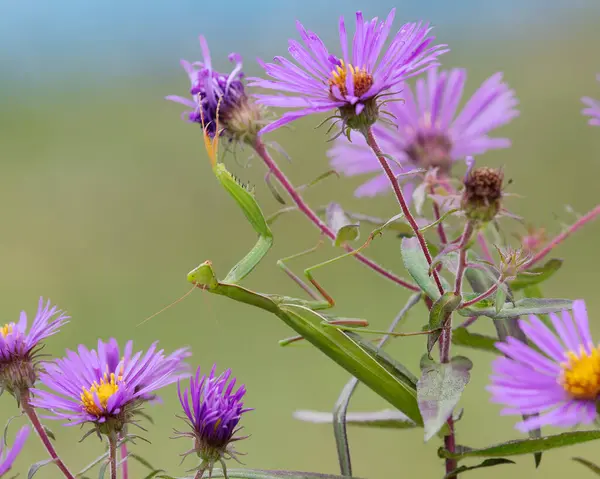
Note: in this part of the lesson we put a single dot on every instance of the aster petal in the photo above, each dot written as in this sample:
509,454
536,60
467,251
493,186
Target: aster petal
8,457
523,353
290,116
543,338
581,321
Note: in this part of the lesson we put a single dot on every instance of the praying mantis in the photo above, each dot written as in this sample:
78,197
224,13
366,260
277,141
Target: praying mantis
386,377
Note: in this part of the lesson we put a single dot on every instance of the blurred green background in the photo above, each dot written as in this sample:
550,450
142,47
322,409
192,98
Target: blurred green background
109,201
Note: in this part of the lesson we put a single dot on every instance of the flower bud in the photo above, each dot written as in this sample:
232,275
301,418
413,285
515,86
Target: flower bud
482,196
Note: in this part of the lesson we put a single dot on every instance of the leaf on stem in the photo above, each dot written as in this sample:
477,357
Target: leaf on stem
37,466
438,316
463,337
523,446
536,275
439,390
264,474
345,230
487,463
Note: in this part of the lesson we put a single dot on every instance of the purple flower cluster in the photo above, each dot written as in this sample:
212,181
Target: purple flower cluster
559,379
320,81
213,411
427,132
18,347
593,109
92,386
8,456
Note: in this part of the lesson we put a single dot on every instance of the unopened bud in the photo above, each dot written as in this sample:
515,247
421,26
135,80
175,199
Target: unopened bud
482,197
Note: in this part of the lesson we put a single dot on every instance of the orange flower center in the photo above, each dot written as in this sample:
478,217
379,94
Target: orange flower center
581,374
103,391
362,79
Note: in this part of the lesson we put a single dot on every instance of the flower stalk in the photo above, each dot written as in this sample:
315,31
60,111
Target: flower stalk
372,142
112,454
292,191
37,425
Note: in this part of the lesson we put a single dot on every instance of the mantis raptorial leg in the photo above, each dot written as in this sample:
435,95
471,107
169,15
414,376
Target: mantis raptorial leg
347,349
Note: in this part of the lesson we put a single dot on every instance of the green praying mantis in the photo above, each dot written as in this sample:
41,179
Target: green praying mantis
307,318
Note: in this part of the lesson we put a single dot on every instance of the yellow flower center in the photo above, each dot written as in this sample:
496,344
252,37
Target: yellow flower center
6,329
362,79
103,391
581,374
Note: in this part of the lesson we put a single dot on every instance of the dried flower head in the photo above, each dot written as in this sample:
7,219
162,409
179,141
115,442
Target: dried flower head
592,109
560,380
19,349
8,456
215,93
353,83
213,412
88,386
482,196
427,130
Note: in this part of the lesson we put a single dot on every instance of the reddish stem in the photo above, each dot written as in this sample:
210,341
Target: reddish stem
484,295
462,257
484,247
372,142
450,444
468,322
314,218
112,454
562,236
35,421
124,464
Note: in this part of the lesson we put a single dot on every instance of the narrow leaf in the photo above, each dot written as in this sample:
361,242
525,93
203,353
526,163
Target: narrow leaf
438,392
339,222
519,308
416,265
102,470
524,446
37,466
540,274
590,465
339,426
486,463
264,474
463,337
438,316
386,419
366,366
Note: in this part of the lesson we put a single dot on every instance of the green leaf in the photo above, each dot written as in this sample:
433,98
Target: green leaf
524,446
7,425
500,299
154,474
95,462
463,337
367,367
590,465
142,461
486,463
386,419
439,390
37,466
102,470
541,274
339,426
438,316
339,222
264,474
416,265
519,308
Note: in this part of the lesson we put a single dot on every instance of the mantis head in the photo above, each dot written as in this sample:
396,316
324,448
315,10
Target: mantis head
203,276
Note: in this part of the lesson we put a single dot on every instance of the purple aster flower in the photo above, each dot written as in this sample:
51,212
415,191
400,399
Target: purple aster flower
8,456
213,412
427,131
593,109
560,382
19,348
90,386
352,83
216,94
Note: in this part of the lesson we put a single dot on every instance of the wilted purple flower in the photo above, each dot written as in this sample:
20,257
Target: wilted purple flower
427,132
18,348
215,93
353,82
213,412
88,386
593,109
8,456
561,383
